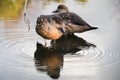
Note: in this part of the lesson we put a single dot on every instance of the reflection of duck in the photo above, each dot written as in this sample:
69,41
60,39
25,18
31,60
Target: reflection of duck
51,59
48,59
73,22
71,44
50,26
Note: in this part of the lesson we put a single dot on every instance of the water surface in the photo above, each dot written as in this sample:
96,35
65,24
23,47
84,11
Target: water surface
92,55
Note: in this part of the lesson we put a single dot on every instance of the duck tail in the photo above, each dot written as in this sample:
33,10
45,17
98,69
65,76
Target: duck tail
93,28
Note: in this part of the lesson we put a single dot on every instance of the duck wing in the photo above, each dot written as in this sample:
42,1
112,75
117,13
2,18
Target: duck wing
77,20
72,18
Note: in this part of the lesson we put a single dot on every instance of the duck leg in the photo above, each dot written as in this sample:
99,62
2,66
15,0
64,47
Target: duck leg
54,41
53,44
45,42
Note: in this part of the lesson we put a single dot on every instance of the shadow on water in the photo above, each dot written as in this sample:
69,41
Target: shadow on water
51,59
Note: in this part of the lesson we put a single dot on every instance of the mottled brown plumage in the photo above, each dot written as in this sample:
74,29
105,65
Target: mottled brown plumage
50,26
61,23
73,22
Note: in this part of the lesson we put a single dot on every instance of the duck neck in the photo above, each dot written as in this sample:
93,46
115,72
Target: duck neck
50,21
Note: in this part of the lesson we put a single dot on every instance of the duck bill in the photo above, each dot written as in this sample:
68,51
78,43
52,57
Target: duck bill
55,11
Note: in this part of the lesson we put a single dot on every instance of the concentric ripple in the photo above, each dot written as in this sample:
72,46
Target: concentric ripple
17,49
12,46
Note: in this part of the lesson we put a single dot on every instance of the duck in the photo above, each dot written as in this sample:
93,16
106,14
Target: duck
73,22
49,27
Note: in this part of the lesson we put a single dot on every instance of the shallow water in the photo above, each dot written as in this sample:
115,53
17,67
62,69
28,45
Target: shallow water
92,55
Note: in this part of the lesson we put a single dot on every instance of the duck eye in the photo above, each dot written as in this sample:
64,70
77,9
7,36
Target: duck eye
41,19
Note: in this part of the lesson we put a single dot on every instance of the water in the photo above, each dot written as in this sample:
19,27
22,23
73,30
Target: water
92,55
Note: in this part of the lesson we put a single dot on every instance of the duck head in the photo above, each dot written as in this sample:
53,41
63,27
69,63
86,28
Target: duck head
42,20
49,20
45,20
50,26
61,8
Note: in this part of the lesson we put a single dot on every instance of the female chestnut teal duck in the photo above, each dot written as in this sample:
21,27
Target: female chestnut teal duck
50,26
73,22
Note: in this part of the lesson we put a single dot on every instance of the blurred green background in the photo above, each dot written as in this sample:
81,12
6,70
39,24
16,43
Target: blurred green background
12,9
